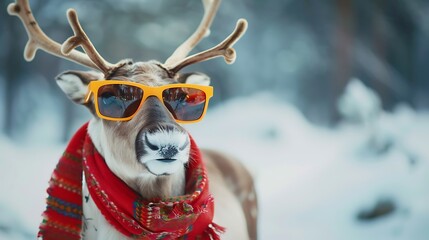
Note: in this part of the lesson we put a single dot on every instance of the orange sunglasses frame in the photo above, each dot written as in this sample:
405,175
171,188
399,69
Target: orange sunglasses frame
148,91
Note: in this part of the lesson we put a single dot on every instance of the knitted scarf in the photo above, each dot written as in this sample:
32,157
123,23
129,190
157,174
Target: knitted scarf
182,217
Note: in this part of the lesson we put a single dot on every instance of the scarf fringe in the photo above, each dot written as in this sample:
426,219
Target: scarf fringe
214,230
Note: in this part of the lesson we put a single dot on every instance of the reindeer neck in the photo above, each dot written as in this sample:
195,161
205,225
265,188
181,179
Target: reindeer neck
155,187
128,170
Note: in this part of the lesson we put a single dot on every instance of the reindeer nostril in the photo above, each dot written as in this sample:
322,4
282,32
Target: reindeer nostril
168,151
149,144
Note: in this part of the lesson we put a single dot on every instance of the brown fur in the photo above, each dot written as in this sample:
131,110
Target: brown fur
239,181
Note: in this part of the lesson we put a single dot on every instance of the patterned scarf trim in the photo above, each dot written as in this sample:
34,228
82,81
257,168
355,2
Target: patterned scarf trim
183,217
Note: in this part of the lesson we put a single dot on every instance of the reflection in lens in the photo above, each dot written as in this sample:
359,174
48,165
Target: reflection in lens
119,100
186,104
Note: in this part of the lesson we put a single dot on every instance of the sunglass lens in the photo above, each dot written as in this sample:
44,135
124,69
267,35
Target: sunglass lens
119,100
186,104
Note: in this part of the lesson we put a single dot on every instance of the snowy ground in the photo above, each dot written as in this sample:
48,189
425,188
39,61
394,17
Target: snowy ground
364,180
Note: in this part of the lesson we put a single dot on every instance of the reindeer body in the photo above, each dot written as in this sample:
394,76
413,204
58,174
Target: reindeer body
148,150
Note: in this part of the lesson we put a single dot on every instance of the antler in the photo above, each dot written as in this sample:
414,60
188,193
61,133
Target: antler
37,39
179,58
203,30
223,49
81,39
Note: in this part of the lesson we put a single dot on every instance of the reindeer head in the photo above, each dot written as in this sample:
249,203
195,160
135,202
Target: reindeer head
135,104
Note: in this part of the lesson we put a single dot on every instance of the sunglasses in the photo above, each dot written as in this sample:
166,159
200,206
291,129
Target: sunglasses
120,100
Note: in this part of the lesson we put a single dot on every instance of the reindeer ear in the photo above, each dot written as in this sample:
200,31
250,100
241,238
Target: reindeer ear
194,78
75,84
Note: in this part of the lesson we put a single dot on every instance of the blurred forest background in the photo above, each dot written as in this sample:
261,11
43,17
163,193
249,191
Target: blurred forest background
303,51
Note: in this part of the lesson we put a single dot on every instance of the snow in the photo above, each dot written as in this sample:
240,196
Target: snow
313,182
369,103
24,175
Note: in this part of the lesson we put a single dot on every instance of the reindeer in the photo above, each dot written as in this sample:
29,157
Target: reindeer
147,148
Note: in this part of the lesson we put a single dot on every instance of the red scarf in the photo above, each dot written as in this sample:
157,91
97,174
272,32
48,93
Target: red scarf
182,217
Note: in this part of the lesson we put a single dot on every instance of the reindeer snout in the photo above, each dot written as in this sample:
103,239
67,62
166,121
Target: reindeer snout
167,151
162,148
